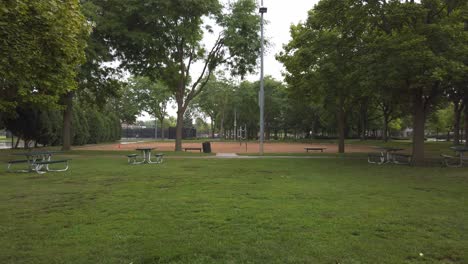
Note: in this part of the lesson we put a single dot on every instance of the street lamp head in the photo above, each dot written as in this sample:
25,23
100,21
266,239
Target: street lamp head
263,10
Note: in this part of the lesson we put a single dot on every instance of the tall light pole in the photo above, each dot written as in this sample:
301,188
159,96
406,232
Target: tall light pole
261,97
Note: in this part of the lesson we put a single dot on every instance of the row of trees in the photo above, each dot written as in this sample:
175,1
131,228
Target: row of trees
399,56
55,54
44,126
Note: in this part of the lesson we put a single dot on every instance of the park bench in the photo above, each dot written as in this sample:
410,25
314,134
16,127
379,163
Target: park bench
400,158
376,158
39,164
199,149
321,149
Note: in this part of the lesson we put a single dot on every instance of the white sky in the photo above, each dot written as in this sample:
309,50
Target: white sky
280,15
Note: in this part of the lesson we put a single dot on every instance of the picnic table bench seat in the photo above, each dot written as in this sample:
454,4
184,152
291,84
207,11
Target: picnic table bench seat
314,148
159,158
17,161
38,165
376,158
453,161
192,148
132,158
401,158
11,162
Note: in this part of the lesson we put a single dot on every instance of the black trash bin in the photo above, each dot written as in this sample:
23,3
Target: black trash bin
206,147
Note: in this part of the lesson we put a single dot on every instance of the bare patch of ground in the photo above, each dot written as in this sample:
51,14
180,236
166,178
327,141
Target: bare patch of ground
233,147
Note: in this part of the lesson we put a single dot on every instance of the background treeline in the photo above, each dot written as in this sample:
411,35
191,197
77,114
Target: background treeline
363,58
289,116
43,127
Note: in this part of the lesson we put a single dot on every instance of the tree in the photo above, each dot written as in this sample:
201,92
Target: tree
323,56
97,82
153,98
416,39
214,100
162,40
129,107
41,48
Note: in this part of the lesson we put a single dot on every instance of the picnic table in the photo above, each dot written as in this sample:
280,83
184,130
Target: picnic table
459,159
37,161
146,152
387,155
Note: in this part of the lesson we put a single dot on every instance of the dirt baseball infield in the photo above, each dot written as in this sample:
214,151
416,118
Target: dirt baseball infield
232,147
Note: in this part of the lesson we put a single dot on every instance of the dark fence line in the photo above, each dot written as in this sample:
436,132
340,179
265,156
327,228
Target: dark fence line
169,133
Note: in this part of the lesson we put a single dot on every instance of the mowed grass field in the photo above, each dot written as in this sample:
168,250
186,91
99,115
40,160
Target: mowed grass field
188,210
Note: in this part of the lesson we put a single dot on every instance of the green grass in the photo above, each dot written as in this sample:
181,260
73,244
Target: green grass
234,211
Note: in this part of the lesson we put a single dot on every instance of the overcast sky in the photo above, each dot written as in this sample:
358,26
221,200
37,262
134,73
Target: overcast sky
281,14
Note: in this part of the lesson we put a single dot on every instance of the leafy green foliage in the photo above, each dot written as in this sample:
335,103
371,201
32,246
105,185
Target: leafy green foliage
395,56
41,46
162,39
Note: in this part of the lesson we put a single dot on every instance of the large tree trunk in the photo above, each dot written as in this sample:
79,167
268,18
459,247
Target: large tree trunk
179,128
221,130
419,120
466,124
457,110
385,130
363,120
67,121
212,127
162,128
341,126
17,142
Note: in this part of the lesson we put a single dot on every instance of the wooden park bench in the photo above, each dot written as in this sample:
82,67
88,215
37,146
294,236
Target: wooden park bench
321,149
199,149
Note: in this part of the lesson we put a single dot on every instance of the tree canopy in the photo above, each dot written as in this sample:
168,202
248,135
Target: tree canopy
41,46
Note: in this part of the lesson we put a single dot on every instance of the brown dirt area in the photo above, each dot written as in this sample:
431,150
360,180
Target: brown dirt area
233,147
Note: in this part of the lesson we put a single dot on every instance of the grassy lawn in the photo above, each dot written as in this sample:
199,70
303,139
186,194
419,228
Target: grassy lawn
234,211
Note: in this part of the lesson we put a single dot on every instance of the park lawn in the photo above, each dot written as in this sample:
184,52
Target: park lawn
234,211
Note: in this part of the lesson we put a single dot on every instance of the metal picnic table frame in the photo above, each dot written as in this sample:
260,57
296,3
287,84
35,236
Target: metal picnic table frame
386,155
147,156
36,160
459,150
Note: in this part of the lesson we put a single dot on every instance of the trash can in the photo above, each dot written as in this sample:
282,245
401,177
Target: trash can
206,147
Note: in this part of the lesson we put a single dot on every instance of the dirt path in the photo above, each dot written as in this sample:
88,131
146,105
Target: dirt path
233,147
